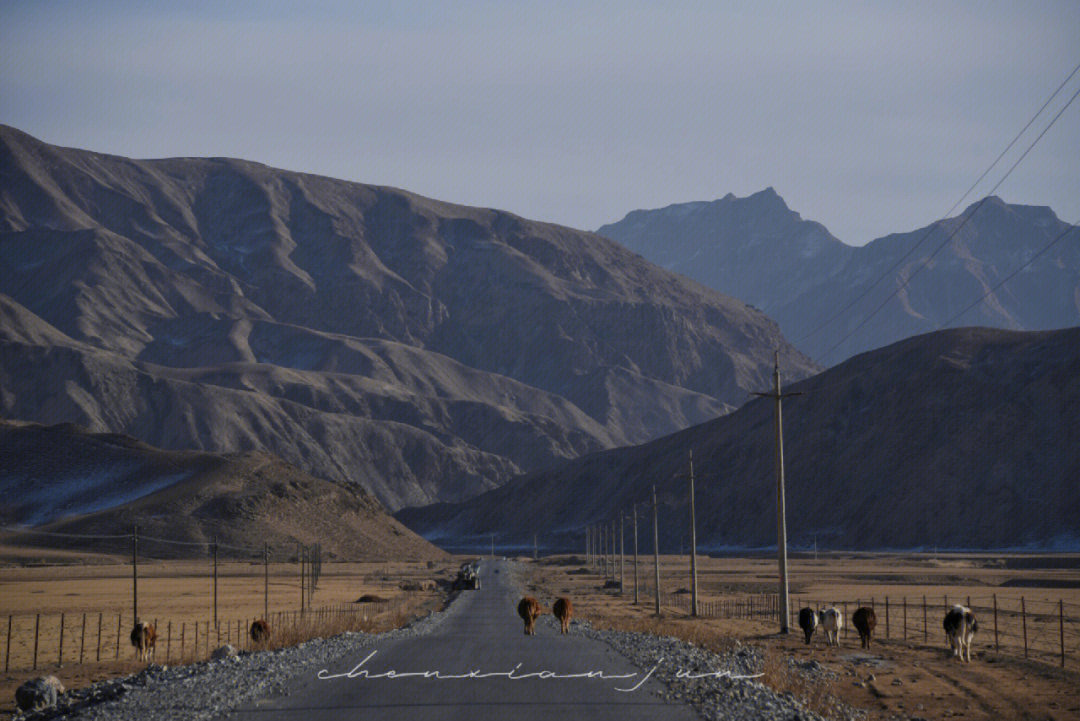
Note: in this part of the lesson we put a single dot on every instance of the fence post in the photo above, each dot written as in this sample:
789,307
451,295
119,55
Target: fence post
37,623
924,627
1061,629
97,651
1023,620
886,617
118,626
168,643
7,650
195,653
996,646
82,642
60,653
183,628
847,619
905,618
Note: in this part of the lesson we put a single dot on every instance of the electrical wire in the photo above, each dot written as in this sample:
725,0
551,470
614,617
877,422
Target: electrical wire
947,214
925,261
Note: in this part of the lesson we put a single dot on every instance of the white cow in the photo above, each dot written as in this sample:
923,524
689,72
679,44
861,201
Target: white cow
832,621
960,627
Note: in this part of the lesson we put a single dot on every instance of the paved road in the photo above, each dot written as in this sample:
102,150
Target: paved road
481,632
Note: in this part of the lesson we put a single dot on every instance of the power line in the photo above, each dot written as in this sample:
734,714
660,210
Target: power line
948,213
1009,277
925,261
63,535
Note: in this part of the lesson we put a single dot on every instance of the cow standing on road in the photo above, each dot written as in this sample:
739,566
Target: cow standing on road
563,610
529,610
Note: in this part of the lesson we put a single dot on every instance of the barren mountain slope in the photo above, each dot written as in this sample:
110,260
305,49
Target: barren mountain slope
67,480
425,350
967,438
760,251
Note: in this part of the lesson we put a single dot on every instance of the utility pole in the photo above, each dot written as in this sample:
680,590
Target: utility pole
781,517
266,580
534,546
656,551
492,546
300,558
587,549
622,556
635,557
613,561
134,573
693,544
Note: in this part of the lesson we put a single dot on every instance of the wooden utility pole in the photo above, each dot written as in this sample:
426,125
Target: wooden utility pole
134,573
781,518
622,556
635,557
693,544
266,581
492,546
300,558
614,556
534,546
587,549
656,551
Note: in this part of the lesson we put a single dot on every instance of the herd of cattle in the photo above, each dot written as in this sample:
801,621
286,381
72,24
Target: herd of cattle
960,626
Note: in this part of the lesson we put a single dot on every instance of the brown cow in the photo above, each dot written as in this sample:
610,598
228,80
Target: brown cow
864,620
529,610
260,632
563,610
143,638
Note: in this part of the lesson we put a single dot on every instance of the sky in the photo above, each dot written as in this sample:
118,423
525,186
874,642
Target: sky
870,117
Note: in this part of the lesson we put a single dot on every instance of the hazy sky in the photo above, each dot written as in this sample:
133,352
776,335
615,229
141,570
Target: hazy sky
867,117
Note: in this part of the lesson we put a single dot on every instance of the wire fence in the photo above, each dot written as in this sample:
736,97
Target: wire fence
33,641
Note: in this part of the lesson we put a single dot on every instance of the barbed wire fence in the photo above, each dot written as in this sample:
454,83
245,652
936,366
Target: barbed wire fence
38,640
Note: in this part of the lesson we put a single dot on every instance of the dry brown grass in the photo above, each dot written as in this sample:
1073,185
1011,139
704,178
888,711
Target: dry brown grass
897,677
180,593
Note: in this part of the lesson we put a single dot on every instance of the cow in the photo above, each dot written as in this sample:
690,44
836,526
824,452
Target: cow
259,632
143,638
563,610
808,621
529,610
832,621
960,627
864,620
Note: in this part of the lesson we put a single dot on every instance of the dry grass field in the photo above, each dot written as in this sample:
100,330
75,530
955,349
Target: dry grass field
912,677
180,593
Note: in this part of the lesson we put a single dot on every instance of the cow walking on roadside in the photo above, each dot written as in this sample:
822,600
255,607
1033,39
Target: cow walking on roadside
144,638
960,627
808,621
865,621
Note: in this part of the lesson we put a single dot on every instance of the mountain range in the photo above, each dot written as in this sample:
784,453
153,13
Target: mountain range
964,438
821,290
423,350
67,481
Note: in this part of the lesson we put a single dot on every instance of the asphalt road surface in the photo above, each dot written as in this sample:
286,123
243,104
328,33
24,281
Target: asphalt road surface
482,633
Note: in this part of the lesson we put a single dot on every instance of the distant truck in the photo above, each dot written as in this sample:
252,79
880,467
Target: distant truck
468,578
